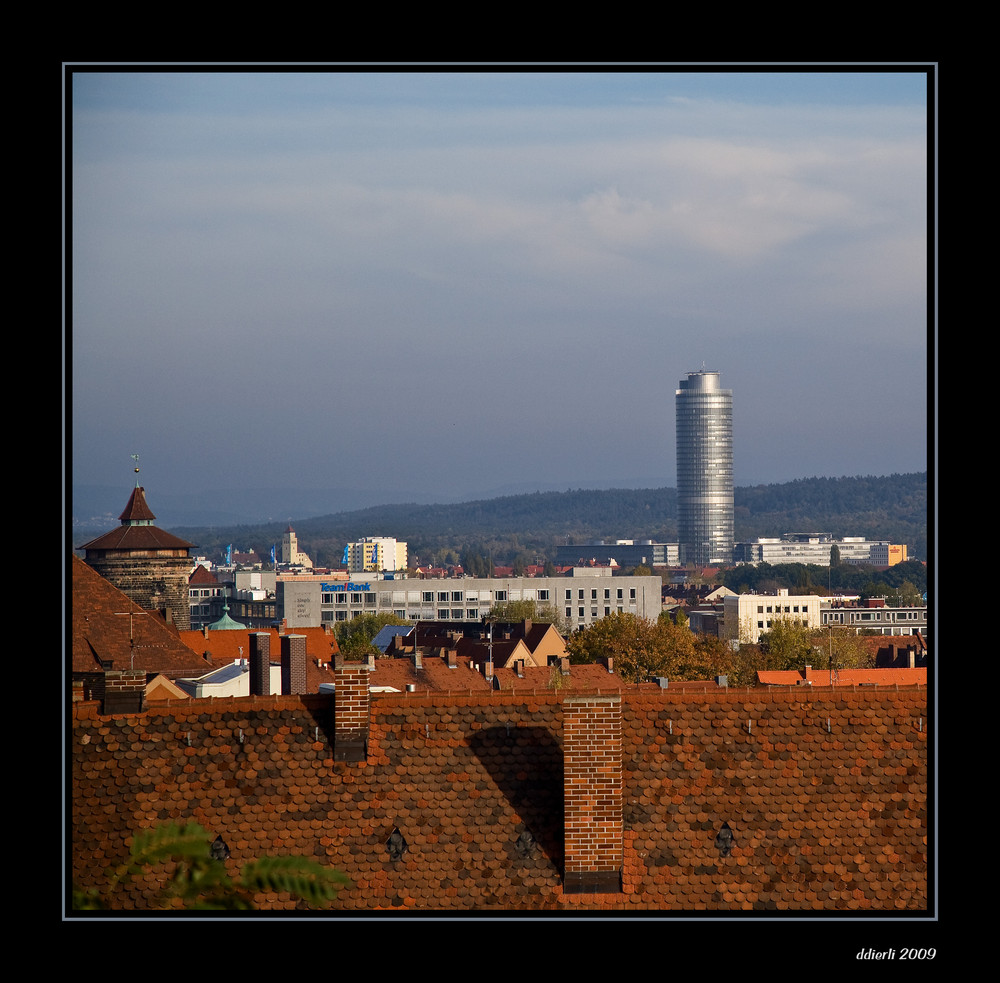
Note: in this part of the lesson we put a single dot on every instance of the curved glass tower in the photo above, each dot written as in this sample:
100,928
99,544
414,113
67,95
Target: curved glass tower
704,469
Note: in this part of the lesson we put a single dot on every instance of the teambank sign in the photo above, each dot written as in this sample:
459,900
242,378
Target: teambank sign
345,587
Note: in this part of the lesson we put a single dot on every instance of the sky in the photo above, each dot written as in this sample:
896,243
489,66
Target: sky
437,285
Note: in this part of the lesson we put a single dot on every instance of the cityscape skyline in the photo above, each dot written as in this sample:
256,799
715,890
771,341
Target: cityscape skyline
438,285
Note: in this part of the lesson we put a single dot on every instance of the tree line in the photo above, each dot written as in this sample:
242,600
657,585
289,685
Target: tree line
528,528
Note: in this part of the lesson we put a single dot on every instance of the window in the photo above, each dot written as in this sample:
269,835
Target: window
442,595
500,595
607,594
631,593
581,609
355,599
456,595
569,611
543,595
593,595
442,614
369,598
427,596
569,595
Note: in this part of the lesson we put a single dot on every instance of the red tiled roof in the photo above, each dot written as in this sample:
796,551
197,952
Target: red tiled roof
101,628
137,538
844,677
224,648
825,792
202,575
137,509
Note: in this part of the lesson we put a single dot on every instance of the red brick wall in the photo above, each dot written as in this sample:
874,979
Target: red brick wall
592,788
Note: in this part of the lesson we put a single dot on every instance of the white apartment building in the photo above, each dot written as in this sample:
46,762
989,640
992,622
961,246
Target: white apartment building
375,554
748,616
586,596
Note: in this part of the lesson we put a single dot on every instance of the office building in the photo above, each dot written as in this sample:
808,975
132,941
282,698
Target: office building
586,596
704,469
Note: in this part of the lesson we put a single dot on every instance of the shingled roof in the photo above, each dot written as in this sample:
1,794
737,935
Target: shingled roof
136,531
781,800
107,625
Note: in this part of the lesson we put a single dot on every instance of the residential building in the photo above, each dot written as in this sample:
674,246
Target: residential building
748,616
375,554
874,616
205,597
704,469
586,596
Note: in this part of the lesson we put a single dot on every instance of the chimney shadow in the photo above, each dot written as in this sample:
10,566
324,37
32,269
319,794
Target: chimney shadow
527,765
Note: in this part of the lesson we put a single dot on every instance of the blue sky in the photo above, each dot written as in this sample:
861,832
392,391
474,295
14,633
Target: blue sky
430,285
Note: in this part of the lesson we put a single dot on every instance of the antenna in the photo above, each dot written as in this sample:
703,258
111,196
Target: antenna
135,457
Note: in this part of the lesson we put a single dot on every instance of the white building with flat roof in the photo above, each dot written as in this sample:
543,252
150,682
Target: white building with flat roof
748,616
586,596
375,554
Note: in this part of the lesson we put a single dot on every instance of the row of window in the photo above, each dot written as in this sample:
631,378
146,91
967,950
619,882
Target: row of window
881,614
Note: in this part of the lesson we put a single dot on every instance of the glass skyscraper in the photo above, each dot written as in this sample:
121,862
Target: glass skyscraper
704,469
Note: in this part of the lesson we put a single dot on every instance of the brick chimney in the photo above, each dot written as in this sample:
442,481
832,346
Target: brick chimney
293,664
351,710
260,663
593,794
124,690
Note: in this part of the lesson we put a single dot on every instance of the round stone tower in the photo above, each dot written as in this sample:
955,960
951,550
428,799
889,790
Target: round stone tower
147,564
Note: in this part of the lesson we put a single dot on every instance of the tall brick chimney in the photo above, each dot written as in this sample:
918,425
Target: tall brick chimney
351,709
293,664
260,663
593,794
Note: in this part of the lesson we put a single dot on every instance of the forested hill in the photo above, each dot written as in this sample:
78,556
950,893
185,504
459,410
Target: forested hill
892,507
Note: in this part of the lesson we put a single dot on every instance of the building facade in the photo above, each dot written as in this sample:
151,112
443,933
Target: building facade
815,548
291,555
586,596
704,469
375,554
748,616
624,552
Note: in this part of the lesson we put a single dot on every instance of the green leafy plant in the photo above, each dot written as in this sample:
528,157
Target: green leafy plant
198,875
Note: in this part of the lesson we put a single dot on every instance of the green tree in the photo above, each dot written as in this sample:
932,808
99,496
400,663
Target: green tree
196,873
354,637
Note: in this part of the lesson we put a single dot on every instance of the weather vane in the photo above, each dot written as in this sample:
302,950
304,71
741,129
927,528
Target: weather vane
135,457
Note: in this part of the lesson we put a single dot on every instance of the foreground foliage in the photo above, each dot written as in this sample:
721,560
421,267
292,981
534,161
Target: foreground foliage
197,873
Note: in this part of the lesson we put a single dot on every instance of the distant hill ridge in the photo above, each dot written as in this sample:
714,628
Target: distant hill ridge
892,507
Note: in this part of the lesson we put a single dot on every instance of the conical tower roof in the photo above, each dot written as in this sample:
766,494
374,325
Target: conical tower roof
137,531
